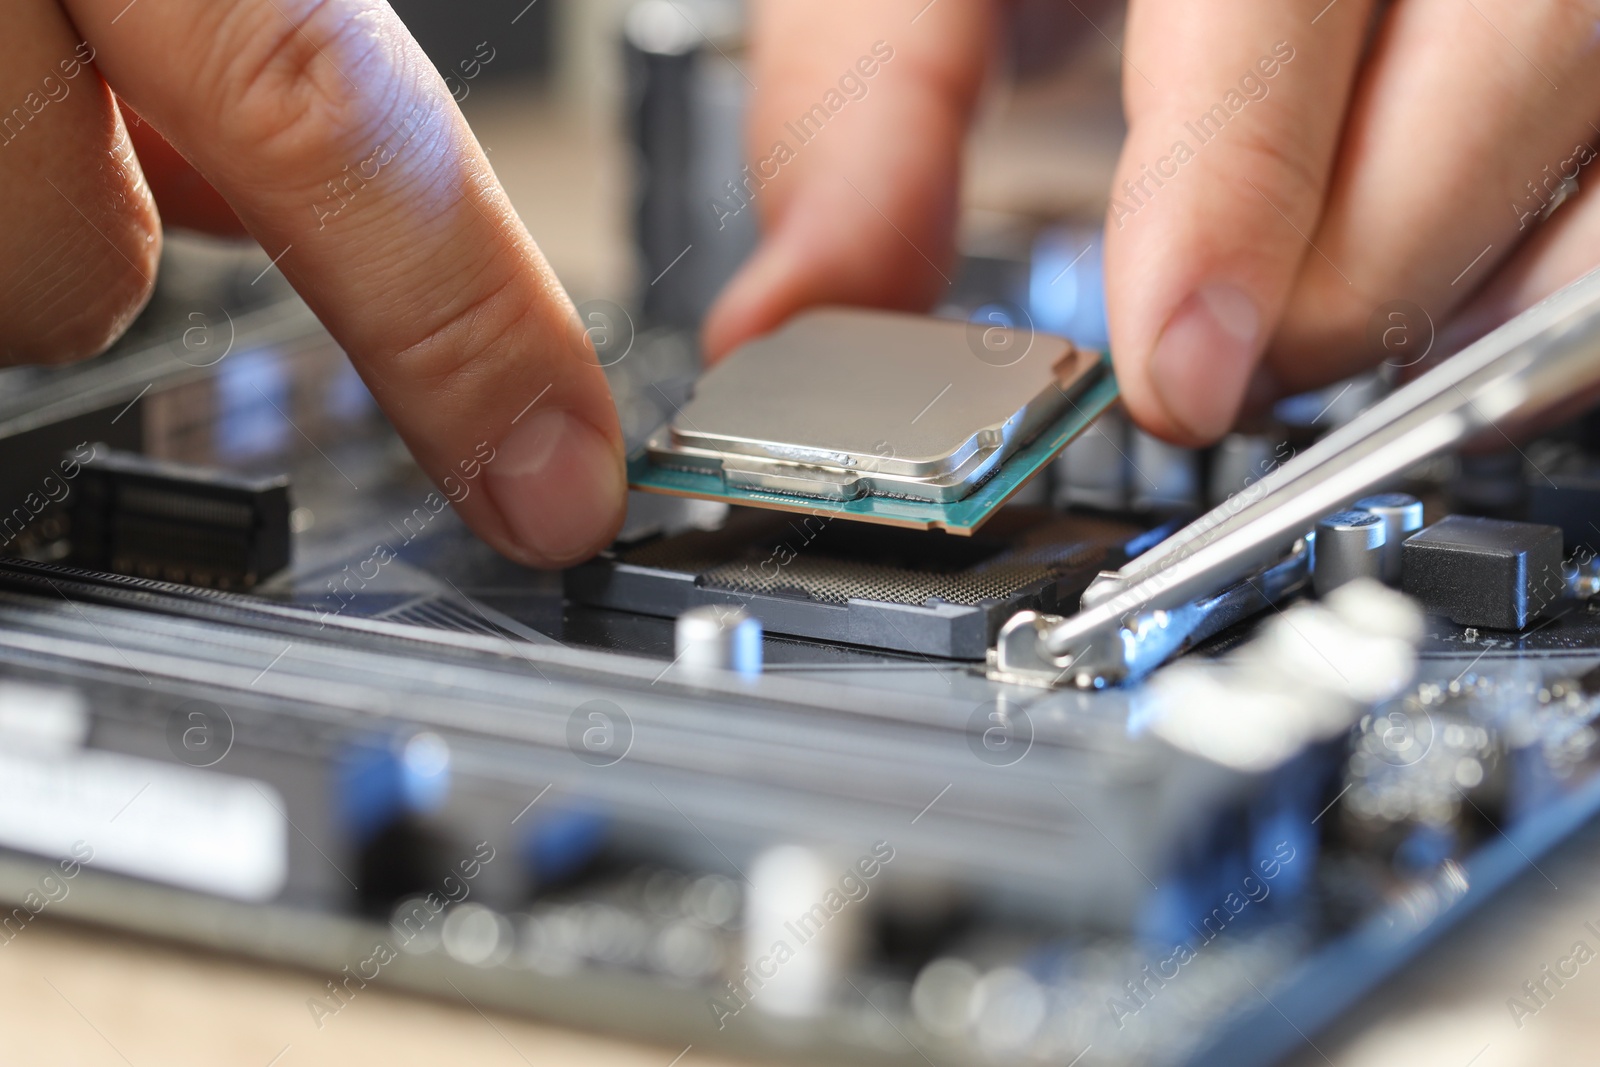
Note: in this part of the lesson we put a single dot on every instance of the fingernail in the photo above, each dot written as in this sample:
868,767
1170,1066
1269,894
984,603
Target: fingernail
559,484
1202,362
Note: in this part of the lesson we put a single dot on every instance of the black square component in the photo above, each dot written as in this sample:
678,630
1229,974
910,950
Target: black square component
1484,572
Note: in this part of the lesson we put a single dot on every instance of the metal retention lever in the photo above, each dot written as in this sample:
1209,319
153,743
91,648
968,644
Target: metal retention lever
1134,619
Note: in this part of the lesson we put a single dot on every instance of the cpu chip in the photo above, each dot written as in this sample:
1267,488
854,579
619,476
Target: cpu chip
878,416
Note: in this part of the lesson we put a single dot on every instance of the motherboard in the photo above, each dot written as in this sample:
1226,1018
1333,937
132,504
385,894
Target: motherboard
752,774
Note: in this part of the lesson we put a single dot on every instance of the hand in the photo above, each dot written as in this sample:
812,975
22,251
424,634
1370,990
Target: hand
1332,161
337,146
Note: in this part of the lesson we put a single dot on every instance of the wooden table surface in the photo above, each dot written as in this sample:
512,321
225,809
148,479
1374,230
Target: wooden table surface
89,997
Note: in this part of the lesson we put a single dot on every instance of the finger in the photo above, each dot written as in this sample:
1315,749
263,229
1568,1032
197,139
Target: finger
1233,123
79,237
1559,251
855,133
184,198
340,149
1466,120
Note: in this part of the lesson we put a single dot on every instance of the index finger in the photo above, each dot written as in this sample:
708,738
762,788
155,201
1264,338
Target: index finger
1235,113
341,150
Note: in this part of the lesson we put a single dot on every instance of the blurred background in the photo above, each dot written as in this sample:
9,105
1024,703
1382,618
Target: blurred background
614,125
